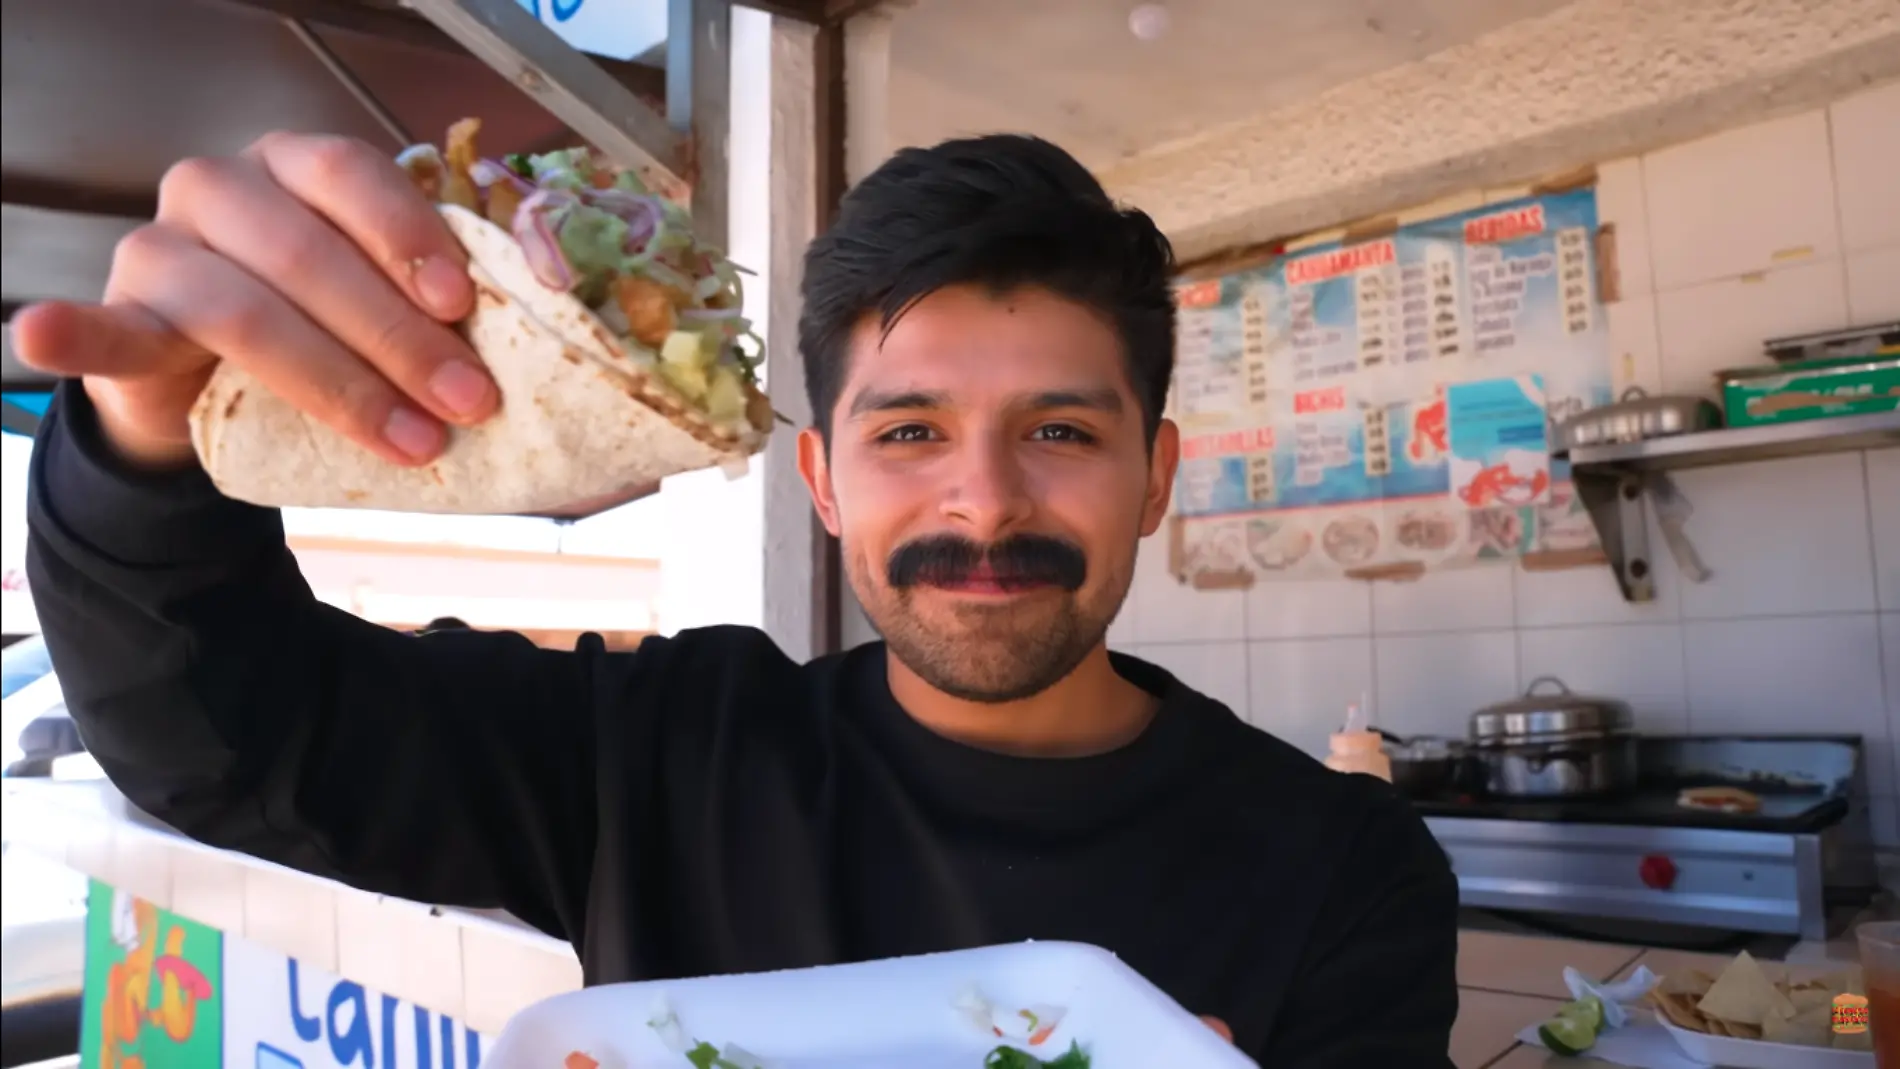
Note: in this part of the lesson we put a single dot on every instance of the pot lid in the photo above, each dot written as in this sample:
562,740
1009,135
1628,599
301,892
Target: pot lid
1552,714
1634,401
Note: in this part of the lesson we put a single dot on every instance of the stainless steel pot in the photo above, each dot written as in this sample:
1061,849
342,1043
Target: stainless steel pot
1555,744
1638,417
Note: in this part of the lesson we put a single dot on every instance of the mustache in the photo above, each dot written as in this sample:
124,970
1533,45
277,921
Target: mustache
1024,559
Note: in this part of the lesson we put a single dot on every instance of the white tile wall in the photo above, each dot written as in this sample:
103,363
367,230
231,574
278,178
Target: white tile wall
1865,129
1883,499
1814,673
1873,284
1640,663
1712,326
1773,229
1429,684
1299,688
501,975
1784,536
1746,200
291,913
1635,343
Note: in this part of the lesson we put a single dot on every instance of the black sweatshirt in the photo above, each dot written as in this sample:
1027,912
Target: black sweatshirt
707,805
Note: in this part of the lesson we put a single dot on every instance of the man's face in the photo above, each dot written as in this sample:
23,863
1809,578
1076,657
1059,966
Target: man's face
988,480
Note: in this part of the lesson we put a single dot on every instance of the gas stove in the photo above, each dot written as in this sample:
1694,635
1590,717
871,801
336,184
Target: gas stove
1641,856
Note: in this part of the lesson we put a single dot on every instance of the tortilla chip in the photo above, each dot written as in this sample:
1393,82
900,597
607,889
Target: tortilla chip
1745,1031
1678,1011
1849,981
1810,1028
1743,994
1806,999
1688,982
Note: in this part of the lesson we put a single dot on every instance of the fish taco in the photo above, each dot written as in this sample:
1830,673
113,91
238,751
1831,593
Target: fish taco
614,335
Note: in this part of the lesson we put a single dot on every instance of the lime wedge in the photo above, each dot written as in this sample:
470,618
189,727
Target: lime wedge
1567,1035
1588,1009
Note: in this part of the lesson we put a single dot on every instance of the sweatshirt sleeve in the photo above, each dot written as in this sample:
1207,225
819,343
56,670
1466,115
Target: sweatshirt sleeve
224,699
1379,986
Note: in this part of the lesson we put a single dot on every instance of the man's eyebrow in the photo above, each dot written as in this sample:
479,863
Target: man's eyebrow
1101,399
870,401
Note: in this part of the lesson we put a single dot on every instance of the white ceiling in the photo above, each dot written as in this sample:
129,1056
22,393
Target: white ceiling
1072,71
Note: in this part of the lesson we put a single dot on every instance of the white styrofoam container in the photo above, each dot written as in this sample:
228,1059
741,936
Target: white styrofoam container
1732,1053
900,1011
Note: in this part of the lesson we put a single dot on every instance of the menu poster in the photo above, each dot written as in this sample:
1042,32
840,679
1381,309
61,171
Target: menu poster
1387,401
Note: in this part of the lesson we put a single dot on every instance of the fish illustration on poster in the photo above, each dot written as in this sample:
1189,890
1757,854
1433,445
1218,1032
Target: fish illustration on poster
1318,395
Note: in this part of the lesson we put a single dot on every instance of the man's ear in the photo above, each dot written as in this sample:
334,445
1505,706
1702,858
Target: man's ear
814,466
1162,460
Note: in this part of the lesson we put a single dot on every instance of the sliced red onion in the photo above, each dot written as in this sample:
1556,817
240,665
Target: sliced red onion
535,231
642,214
487,172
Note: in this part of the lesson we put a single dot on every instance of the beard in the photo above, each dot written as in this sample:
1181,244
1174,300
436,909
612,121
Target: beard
978,651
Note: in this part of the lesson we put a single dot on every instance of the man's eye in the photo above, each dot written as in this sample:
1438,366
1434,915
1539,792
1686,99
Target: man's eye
1063,432
909,432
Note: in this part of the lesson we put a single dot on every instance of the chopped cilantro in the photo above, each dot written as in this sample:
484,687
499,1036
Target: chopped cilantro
1011,1058
518,163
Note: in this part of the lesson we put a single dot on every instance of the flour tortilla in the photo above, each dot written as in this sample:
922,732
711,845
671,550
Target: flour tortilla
581,421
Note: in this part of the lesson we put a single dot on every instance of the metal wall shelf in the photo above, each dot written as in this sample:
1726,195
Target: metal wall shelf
1612,479
1739,445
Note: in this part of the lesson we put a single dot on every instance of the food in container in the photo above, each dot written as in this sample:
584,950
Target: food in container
1019,1006
1751,1018
1555,744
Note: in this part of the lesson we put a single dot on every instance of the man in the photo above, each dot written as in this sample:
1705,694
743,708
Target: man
988,342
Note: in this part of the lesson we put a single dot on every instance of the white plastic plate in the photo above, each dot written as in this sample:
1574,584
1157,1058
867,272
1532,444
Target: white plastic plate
1734,1053
901,1011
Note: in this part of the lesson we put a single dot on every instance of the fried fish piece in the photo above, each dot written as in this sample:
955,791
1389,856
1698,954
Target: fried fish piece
650,308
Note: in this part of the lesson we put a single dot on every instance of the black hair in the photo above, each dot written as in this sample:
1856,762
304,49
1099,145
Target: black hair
445,623
1002,211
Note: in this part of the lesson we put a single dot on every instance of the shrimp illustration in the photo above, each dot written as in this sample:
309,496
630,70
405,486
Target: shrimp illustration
1429,440
1499,485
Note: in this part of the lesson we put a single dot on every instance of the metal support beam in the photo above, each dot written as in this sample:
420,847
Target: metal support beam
347,78
511,40
802,581
31,191
698,105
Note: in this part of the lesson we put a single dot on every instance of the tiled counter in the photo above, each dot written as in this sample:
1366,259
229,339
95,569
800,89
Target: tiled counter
1506,982
476,967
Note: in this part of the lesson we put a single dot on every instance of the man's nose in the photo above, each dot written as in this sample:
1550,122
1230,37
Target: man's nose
988,492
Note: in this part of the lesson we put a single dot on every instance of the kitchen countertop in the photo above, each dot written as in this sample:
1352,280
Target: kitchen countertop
1508,981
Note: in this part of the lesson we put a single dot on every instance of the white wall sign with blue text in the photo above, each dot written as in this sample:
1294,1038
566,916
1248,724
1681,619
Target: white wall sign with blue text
283,1014
616,29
